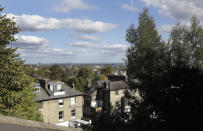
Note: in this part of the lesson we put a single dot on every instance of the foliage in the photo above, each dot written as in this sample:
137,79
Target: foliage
79,83
168,78
107,70
56,72
16,96
85,73
100,77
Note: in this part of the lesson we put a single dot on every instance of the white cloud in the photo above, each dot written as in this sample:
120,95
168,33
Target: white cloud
113,48
32,46
166,28
128,7
85,37
34,23
66,6
179,10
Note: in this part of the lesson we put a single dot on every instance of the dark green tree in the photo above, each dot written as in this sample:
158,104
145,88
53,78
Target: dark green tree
56,72
169,77
16,96
85,73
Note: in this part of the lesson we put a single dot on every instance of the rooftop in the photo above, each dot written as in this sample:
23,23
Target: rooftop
45,94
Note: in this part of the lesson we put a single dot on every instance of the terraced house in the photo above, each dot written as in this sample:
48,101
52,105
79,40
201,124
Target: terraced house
102,96
59,103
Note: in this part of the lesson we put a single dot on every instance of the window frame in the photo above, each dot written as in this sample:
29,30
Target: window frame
73,113
60,102
73,100
61,115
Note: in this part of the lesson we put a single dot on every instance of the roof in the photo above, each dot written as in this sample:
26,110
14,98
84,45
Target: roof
114,85
118,85
46,94
16,124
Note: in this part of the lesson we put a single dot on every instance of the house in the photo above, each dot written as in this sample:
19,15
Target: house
102,96
59,104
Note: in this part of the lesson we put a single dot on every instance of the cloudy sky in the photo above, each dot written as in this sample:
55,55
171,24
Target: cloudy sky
88,31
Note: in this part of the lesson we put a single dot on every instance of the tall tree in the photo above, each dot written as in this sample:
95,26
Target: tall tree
147,61
16,95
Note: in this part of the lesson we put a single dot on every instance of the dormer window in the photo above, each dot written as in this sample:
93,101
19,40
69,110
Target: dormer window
58,87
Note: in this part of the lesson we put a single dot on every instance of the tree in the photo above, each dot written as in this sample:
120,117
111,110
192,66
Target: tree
169,77
187,44
85,73
56,72
147,61
16,96
107,70
100,77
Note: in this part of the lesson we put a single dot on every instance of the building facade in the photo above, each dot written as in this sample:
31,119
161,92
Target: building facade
103,95
58,103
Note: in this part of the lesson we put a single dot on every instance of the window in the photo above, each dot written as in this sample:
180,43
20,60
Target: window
60,115
72,100
58,87
60,102
73,113
116,92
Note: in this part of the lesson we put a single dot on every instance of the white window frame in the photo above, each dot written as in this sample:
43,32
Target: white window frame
61,102
58,87
73,99
61,115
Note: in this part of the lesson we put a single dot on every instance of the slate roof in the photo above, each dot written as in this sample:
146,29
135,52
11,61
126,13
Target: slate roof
114,85
117,85
46,94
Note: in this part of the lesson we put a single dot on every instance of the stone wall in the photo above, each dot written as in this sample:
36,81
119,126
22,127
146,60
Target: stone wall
51,110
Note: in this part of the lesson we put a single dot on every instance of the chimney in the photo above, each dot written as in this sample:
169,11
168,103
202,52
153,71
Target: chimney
43,83
73,85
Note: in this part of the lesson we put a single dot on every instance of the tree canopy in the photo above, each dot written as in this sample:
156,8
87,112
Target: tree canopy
16,95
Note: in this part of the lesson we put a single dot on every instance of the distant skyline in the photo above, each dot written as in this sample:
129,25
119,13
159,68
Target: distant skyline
88,31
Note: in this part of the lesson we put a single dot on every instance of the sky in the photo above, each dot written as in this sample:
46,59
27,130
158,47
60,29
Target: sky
88,31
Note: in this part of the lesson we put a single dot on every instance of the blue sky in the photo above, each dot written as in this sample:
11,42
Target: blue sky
88,31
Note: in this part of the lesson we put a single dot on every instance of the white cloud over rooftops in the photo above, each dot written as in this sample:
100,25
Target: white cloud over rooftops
34,23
